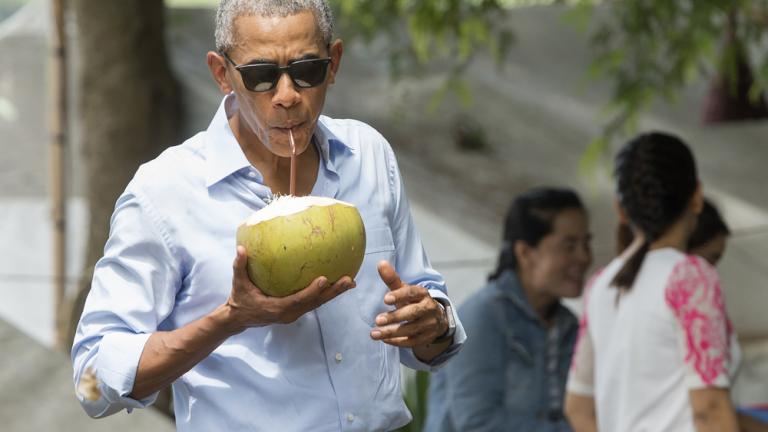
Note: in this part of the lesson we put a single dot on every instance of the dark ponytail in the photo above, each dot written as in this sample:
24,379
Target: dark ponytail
530,218
626,276
709,225
655,180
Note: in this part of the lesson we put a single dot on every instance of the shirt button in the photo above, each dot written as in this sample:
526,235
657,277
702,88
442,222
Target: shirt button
350,417
251,174
338,360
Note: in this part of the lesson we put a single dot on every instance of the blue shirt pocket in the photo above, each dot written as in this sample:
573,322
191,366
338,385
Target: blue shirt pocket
371,289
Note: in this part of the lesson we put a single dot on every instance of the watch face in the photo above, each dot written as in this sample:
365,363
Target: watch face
451,321
448,309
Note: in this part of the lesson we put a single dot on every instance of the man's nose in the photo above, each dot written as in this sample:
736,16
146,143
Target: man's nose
286,93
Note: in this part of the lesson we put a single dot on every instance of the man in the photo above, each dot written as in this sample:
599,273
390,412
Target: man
166,307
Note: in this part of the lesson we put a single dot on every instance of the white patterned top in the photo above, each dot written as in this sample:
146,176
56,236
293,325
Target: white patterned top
640,353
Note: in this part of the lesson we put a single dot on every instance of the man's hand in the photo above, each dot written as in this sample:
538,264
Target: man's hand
417,319
252,308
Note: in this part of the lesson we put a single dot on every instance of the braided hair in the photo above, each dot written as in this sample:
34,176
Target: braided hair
530,218
655,180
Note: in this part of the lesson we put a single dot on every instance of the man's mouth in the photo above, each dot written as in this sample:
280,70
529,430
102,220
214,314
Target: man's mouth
285,127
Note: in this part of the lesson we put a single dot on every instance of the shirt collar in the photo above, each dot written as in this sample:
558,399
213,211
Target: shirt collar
329,143
225,157
223,154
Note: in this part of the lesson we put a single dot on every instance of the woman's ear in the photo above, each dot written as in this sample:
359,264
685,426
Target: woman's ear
522,253
620,212
697,200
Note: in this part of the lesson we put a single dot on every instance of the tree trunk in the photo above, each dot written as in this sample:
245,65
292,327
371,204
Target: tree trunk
728,98
130,108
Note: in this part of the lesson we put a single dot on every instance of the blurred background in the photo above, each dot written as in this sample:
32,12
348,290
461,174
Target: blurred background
481,100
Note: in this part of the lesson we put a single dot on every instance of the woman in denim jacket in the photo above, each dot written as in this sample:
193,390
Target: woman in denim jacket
511,374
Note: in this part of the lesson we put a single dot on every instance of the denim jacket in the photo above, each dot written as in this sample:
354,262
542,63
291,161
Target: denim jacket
512,372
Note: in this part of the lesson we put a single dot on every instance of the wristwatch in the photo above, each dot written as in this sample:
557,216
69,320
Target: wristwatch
445,305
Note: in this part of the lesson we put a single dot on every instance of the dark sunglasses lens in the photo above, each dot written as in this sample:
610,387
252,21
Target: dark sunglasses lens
261,77
309,73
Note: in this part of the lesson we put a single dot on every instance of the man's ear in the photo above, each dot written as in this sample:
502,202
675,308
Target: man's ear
336,50
217,64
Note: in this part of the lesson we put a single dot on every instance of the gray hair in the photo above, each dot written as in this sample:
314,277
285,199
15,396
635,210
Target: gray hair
229,10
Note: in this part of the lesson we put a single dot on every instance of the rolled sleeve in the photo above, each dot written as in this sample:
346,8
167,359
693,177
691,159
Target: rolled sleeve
132,291
111,374
116,366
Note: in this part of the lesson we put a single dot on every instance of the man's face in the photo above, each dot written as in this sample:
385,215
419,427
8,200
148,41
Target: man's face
712,250
560,261
281,40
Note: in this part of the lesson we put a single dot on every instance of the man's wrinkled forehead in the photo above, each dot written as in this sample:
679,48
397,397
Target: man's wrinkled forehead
242,26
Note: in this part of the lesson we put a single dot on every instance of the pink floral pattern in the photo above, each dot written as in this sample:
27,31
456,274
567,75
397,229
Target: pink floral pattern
695,297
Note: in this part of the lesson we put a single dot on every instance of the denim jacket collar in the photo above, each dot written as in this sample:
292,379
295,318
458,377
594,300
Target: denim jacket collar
510,288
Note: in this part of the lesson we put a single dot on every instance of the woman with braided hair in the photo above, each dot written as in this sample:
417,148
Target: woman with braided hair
653,347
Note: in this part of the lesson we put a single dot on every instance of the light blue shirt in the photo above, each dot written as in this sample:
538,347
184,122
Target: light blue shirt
168,262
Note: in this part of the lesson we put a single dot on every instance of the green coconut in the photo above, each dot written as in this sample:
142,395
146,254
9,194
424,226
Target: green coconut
294,240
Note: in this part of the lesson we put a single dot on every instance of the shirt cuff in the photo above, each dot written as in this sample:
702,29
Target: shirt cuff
409,359
116,364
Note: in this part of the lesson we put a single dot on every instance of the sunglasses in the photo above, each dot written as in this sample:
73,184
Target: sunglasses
261,77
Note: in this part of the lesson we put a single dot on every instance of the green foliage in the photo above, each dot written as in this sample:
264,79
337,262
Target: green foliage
439,35
647,49
653,48
416,389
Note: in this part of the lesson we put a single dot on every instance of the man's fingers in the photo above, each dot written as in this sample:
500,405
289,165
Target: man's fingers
411,312
239,266
389,275
316,294
306,296
259,309
341,285
409,334
410,342
406,295
403,329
